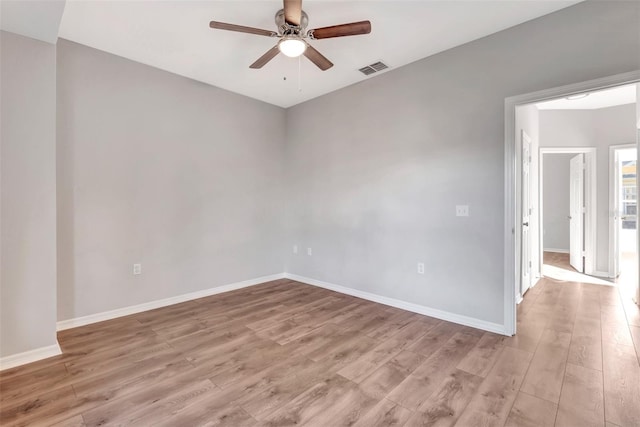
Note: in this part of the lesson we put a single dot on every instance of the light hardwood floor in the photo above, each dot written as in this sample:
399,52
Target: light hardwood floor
284,353
557,259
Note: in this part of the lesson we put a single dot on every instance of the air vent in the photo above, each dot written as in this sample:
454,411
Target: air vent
373,68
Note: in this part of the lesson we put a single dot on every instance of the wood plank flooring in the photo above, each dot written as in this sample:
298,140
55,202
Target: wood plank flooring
284,353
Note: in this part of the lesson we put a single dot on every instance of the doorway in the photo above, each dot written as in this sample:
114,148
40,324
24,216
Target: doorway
623,203
567,212
513,179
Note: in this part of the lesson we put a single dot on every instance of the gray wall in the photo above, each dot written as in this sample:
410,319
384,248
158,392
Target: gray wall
638,107
555,203
28,194
598,128
376,169
165,171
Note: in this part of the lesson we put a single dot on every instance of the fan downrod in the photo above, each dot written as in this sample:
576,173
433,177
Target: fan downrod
284,28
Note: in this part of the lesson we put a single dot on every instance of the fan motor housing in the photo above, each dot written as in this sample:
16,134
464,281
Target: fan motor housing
284,28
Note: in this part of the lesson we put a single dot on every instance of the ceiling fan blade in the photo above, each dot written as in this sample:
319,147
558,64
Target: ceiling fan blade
241,29
352,29
271,53
317,58
293,11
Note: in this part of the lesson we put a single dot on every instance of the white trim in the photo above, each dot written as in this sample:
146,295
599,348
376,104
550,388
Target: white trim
511,238
637,297
535,282
591,210
567,150
30,356
403,305
125,311
511,250
603,274
558,251
612,212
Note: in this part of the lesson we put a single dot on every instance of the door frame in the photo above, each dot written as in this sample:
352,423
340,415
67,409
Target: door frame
512,225
613,244
590,202
637,299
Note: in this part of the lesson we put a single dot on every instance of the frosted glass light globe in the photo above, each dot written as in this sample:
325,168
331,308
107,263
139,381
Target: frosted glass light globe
292,47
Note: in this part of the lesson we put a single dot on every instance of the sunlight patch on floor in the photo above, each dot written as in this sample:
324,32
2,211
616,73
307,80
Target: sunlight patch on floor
628,280
563,275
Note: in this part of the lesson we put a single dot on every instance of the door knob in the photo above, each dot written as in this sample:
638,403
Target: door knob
525,224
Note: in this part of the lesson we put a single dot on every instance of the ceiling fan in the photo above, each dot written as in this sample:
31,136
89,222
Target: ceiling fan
292,31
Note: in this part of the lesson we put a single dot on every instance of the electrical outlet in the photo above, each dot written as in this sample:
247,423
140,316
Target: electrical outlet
295,249
309,252
462,210
137,269
421,268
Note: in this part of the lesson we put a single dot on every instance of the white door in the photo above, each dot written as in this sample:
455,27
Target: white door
576,212
526,214
617,221
626,221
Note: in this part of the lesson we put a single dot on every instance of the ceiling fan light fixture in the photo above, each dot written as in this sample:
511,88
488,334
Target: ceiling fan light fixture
291,23
292,46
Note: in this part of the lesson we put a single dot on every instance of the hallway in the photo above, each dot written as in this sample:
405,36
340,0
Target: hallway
586,344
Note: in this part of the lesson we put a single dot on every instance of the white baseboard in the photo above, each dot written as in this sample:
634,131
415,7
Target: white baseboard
536,280
14,360
415,308
558,251
125,311
8,362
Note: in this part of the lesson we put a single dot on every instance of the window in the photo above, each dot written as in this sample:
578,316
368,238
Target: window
629,193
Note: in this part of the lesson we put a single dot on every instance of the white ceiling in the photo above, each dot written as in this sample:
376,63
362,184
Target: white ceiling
175,36
38,19
621,95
